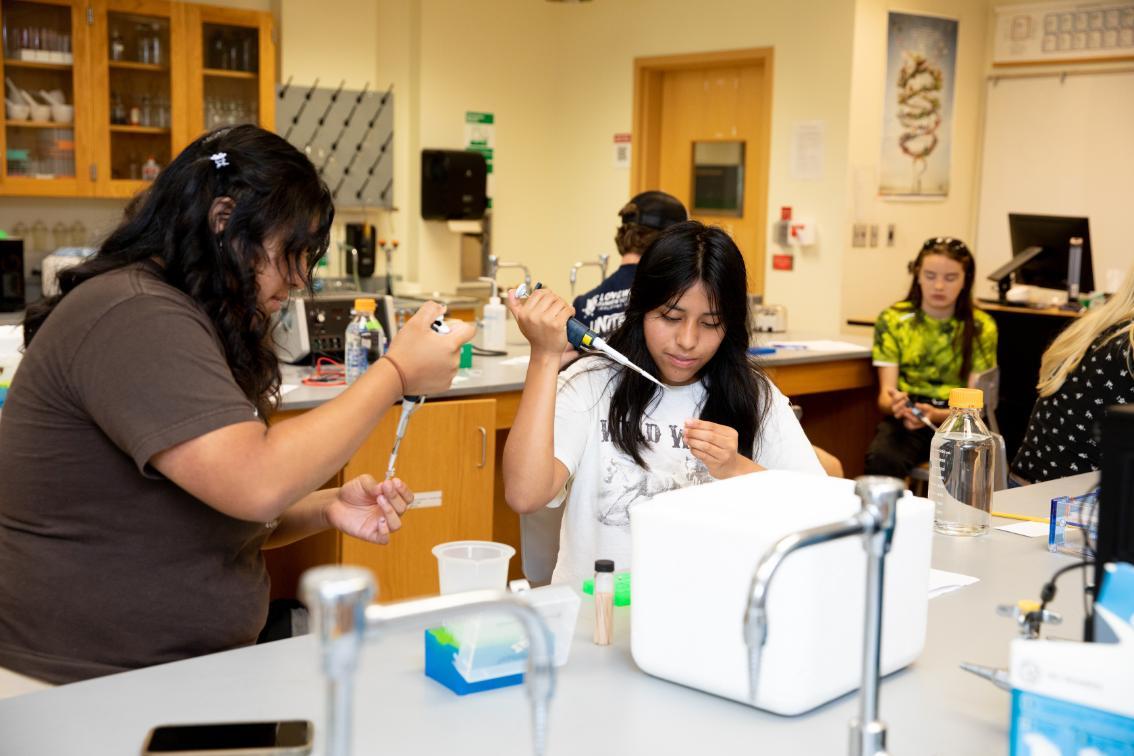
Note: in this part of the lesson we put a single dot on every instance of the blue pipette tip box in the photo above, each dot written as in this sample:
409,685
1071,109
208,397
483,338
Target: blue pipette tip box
440,650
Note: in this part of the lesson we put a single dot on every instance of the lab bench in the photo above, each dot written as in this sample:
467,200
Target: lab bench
603,703
452,453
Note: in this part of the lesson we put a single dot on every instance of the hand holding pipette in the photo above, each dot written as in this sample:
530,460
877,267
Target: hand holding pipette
550,310
432,374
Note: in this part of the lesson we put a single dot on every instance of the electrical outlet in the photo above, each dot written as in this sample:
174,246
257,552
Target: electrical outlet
874,234
890,235
858,238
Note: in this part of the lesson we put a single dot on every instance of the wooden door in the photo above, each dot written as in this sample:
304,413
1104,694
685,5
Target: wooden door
448,454
713,98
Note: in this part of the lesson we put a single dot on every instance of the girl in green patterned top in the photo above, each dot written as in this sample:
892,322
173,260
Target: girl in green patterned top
933,341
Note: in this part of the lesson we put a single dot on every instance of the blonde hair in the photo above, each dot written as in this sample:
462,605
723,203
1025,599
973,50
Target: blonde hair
1068,349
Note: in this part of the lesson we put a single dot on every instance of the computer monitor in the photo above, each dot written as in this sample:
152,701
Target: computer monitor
1053,233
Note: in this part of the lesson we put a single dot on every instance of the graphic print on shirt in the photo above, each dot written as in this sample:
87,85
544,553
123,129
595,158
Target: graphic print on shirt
624,482
611,304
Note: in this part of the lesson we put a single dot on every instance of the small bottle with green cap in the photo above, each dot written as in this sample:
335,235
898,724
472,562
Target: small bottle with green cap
604,602
961,464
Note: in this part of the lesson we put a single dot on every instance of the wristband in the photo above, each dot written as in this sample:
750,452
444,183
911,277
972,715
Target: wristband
398,370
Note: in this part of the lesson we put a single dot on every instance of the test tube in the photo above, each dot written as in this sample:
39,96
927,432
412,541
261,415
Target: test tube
604,602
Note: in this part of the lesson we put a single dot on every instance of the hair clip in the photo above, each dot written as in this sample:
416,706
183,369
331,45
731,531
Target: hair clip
220,159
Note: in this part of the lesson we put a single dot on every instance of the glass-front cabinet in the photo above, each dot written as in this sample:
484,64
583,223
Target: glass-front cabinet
235,79
135,54
102,94
45,139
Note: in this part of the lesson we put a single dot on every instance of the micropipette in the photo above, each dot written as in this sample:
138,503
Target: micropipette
409,405
581,337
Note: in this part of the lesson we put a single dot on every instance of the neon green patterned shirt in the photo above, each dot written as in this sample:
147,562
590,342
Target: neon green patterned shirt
928,351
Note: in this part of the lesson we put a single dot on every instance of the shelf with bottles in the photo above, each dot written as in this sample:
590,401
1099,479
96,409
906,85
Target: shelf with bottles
140,109
138,42
12,124
12,63
139,130
229,102
129,65
37,34
137,156
231,50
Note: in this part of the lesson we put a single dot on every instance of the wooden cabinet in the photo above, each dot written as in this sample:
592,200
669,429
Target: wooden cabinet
143,78
448,458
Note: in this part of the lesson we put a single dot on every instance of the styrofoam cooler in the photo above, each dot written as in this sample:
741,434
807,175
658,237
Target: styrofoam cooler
694,553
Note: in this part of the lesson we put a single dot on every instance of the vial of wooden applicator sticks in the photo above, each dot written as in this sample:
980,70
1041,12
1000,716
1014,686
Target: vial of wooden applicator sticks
604,602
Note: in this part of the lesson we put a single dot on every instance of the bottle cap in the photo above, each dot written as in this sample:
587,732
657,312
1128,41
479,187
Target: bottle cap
604,565
466,355
966,398
365,305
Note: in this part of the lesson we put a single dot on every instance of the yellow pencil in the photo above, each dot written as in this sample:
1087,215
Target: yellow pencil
1010,516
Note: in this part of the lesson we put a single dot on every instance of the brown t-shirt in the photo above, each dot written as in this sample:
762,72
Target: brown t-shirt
105,565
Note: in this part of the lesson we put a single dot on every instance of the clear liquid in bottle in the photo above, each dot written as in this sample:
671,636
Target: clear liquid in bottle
961,465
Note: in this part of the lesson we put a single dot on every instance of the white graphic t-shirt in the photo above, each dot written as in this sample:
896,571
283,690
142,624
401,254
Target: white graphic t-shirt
603,481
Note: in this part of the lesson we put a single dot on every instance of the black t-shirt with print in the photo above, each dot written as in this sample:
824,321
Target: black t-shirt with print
1061,435
603,308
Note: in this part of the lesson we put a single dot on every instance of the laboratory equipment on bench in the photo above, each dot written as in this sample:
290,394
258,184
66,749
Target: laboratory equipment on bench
584,339
309,327
410,403
769,318
705,633
343,618
600,264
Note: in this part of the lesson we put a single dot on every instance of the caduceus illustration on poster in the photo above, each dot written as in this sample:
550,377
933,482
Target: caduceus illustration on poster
917,133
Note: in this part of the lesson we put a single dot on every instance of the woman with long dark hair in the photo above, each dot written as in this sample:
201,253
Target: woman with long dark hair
140,478
602,437
928,344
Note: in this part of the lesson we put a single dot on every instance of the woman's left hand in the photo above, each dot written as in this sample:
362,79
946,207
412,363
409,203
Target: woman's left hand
368,509
716,446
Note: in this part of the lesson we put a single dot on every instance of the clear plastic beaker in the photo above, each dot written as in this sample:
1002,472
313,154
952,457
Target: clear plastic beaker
472,565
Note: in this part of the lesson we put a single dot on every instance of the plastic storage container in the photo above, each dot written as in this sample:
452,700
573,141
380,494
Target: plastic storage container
961,464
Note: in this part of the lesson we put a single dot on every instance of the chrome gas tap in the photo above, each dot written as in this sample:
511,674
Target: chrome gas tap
875,523
339,597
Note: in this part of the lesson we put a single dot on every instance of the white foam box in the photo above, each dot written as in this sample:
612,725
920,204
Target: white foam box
694,553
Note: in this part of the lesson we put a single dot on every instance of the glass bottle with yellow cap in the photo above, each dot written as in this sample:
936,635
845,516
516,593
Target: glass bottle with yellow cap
961,462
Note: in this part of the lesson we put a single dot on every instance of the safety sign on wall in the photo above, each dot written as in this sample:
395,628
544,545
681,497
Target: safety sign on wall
480,136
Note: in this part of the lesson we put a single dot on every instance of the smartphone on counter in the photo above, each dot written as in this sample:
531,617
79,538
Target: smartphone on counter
284,738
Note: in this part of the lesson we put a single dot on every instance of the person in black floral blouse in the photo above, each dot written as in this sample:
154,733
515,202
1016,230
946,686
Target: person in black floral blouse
1089,367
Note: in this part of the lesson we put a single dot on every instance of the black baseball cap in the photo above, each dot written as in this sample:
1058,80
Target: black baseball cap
654,210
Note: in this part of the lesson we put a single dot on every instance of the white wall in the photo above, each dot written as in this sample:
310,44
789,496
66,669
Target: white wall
874,278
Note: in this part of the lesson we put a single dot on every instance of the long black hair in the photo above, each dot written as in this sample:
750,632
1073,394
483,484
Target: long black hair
276,193
956,250
736,389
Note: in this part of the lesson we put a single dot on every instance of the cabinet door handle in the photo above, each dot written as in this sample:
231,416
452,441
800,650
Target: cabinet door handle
483,446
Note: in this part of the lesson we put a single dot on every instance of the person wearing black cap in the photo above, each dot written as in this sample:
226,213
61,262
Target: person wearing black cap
603,308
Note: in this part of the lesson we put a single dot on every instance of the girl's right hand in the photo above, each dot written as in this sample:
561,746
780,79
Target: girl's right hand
542,318
428,359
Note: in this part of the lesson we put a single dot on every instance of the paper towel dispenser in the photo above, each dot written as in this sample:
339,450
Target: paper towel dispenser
453,184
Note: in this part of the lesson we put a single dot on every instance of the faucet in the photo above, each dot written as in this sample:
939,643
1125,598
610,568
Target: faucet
494,266
875,523
600,264
339,596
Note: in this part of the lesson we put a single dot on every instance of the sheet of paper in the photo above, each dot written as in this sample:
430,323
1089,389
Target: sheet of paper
287,388
521,360
1028,529
459,379
942,582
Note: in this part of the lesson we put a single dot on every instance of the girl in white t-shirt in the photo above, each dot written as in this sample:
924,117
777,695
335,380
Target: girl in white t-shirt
599,438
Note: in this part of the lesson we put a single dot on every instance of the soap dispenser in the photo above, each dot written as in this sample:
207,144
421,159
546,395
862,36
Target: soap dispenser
495,315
